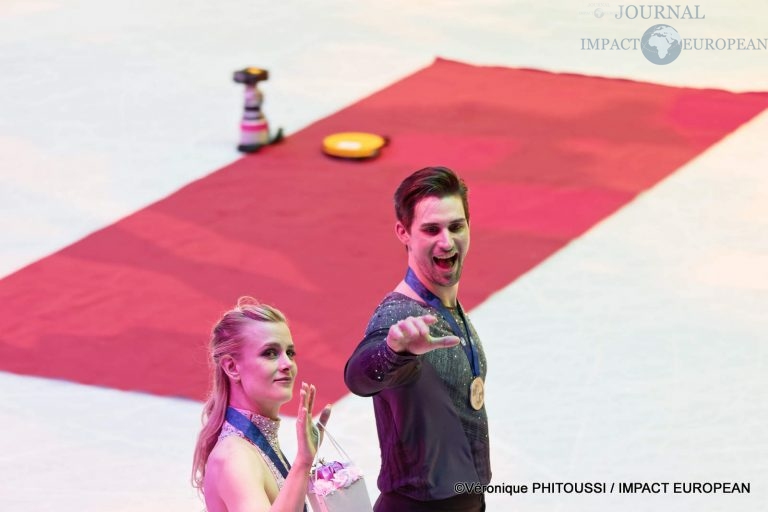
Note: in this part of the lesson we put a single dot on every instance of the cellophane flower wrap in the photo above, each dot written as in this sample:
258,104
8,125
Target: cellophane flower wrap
337,485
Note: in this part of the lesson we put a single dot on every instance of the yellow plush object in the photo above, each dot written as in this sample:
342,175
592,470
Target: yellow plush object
353,144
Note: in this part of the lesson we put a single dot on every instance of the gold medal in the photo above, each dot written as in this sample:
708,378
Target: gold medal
477,393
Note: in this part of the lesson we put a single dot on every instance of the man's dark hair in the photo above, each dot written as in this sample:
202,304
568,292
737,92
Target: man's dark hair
427,182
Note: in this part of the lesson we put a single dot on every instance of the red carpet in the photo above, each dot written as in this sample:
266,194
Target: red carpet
546,157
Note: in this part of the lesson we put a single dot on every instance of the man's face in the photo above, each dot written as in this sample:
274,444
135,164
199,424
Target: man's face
438,240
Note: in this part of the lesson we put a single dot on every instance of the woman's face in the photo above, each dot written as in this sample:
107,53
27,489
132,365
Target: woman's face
267,366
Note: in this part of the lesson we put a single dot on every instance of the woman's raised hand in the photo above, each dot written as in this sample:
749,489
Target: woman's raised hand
307,434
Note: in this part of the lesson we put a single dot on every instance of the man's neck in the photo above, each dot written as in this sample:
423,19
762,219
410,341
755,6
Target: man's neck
447,295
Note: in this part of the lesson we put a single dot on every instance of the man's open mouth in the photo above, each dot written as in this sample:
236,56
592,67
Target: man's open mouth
445,263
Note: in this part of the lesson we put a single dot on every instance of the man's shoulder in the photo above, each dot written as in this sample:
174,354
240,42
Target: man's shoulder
393,308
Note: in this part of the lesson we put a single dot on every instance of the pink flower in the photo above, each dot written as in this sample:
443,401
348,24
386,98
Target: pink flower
332,476
326,471
346,477
322,487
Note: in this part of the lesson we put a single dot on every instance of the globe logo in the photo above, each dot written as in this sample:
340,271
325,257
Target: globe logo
661,44
599,13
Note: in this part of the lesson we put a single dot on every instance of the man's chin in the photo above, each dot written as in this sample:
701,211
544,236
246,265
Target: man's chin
450,277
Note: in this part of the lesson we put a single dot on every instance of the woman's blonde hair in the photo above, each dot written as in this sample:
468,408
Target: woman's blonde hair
226,339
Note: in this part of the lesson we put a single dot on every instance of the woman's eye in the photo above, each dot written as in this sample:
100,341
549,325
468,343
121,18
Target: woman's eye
270,353
291,353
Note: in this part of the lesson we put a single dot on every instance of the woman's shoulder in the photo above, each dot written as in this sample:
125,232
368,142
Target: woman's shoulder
233,454
235,473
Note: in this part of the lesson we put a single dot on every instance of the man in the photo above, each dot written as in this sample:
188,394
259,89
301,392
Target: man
422,362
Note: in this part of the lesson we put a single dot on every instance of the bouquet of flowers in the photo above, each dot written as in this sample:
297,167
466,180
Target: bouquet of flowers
337,486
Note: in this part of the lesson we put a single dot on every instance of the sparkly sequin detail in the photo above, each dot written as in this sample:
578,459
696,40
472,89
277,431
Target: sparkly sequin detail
376,370
451,363
269,428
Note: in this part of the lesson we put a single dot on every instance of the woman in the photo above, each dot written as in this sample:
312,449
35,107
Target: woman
238,464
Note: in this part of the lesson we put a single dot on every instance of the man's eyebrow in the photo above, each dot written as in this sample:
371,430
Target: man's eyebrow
461,220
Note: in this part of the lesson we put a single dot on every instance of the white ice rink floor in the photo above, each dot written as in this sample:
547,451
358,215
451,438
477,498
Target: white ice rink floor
635,354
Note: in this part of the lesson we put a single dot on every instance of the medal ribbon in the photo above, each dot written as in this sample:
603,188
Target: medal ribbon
431,299
254,435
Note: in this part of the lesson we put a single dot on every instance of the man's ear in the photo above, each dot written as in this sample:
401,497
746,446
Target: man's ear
230,367
402,233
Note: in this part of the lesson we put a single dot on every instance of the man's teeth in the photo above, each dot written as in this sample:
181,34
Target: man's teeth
445,261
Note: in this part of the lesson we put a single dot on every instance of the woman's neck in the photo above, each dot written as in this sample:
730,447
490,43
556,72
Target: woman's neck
271,411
